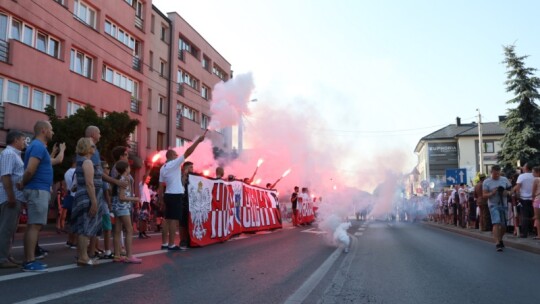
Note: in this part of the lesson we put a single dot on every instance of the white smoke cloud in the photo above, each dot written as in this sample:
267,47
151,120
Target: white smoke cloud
229,101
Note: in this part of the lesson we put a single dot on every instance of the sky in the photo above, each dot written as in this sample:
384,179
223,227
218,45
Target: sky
364,80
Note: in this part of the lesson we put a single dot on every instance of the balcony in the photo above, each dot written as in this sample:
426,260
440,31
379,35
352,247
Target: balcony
137,63
180,88
139,23
181,55
134,147
135,105
179,120
4,50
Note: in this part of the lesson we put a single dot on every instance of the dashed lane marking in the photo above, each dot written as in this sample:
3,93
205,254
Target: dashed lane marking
65,293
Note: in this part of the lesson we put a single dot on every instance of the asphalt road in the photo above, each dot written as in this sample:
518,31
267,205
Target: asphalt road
388,263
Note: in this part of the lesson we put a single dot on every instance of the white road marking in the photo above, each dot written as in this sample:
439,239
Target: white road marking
65,293
361,229
358,233
314,231
70,266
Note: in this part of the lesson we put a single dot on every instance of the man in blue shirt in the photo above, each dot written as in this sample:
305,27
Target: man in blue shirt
36,182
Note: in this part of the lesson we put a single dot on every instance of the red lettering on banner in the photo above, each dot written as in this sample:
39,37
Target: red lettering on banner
229,208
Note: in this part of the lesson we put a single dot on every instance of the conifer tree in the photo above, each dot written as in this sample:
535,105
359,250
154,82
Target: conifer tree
522,139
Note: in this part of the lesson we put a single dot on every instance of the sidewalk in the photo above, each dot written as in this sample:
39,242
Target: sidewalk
528,244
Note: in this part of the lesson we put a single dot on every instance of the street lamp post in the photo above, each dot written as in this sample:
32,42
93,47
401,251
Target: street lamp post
480,142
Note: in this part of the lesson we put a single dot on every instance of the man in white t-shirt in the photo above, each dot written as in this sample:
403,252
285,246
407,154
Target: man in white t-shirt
523,189
171,190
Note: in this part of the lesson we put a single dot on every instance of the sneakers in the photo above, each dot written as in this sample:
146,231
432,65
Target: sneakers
499,247
183,246
164,246
71,245
132,260
41,253
502,244
34,266
173,248
346,250
8,264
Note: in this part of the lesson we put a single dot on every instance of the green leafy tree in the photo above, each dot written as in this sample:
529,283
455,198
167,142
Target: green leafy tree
115,131
521,141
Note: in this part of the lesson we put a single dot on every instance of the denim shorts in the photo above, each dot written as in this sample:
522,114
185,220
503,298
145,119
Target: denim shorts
37,203
498,214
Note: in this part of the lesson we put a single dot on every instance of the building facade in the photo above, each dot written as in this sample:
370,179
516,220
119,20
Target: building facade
452,147
114,55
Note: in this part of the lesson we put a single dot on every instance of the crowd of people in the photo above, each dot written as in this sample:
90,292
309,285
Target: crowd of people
93,200
496,203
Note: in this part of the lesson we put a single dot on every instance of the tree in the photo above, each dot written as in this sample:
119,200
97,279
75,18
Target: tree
115,131
521,141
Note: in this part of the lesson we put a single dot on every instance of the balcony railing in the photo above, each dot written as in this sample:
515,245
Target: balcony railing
139,22
179,120
4,50
135,105
181,55
180,88
137,63
134,146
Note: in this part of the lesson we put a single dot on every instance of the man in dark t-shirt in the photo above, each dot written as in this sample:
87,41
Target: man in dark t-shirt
294,201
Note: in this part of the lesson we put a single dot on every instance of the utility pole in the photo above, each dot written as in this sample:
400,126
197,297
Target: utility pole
480,142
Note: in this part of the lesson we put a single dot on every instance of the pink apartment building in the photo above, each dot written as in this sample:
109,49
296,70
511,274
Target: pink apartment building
115,55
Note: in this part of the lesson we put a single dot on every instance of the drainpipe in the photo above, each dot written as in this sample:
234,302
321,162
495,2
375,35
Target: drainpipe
169,101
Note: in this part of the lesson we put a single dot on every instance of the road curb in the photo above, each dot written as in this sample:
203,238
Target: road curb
529,245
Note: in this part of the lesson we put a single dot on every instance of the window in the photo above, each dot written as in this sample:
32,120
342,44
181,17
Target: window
54,48
40,100
182,76
151,61
120,80
59,2
180,142
16,29
162,105
28,35
189,113
1,90
187,46
489,147
205,120
160,141
130,2
163,33
139,9
84,13
219,72
121,35
162,68
72,107
81,63
149,99
152,22
148,138
3,27
206,63
17,93
205,92
27,96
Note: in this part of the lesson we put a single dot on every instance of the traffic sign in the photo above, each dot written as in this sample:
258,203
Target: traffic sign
456,176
